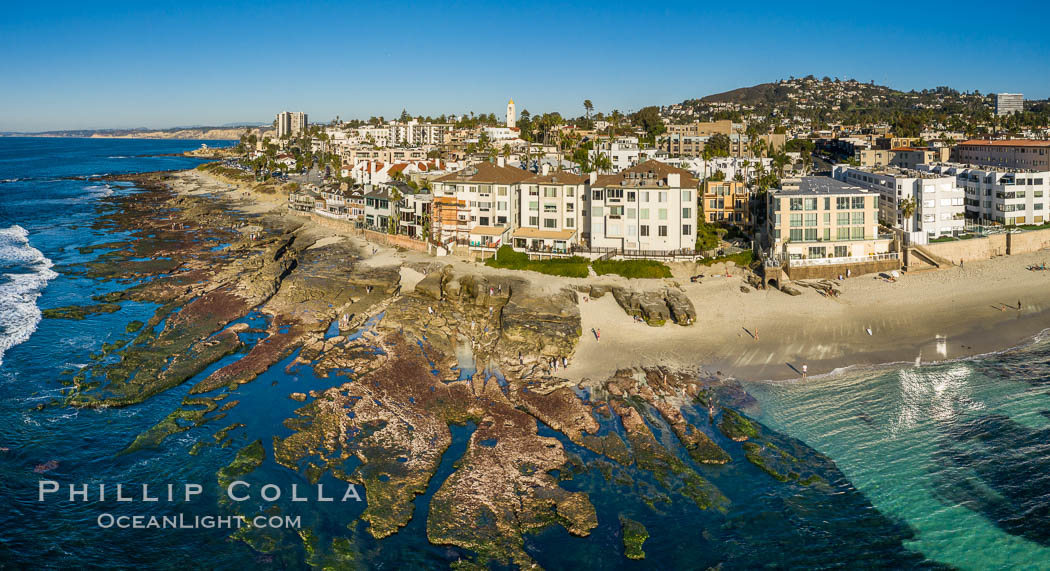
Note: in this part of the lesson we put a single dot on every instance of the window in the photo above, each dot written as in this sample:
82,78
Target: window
840,252
661,214
569,192
643,213
687,213
661,196
550,192
811,219
857,232
842,233
534,205
858,202
596,195
631,230
550,223
570,223
811,234
569,207
796,204
795,220
817,252
827,234
811,203
631,196
643,230
858,217
796,235
501,191
534,220
687,195
661,231
687,229
645,196
598,211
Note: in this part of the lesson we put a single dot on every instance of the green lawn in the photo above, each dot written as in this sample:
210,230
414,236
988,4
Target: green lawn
632,268
742,259
507,258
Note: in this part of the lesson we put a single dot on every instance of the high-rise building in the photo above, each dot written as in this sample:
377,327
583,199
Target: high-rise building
1008,103
512,118
1008,153
290,123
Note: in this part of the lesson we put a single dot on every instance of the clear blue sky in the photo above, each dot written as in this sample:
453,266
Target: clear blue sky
130,64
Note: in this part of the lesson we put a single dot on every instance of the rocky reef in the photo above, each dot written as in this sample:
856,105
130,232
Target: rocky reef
236,294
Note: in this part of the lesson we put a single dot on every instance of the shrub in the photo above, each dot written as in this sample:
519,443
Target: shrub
742,259
632,268
507,258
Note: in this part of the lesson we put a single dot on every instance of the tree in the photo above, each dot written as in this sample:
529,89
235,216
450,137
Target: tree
405,117
907,207
588,107
648,118
717,146
602,163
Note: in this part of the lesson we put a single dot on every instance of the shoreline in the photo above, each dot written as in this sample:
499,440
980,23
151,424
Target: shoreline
940,315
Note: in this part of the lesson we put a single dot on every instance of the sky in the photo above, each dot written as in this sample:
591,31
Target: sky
78,65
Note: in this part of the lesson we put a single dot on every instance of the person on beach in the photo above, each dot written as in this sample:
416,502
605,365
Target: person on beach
805,370
598,335
756,335
1018,305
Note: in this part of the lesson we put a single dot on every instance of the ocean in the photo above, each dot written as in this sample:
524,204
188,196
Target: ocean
938,464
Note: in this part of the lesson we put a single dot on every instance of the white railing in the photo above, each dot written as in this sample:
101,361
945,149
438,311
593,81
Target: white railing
846,260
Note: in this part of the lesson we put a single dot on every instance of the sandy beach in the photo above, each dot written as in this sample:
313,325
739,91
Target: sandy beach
929,316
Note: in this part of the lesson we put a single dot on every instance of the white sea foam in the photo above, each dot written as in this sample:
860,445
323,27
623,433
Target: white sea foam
19,315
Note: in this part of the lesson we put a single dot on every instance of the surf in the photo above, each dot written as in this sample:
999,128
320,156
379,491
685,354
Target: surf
27,273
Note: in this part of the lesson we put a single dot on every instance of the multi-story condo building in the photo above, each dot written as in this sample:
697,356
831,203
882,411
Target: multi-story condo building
548,217
481,195
939,203
1001,196
414,214
727,202
1008,103
650,206
699,129
623,152
1008,154
814,218
291,123
415,134
355,155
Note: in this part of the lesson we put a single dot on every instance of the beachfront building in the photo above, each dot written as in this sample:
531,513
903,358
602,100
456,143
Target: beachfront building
650,206
414,214
815,220
381,206
549,213
482,194
939,203
334,203
1001,196
1007,154
290,123
726,202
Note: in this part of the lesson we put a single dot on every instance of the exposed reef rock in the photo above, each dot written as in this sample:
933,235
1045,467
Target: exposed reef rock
657,307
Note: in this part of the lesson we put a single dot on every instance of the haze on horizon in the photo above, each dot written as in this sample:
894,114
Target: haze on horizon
74,66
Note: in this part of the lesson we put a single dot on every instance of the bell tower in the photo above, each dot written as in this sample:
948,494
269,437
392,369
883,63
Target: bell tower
511,115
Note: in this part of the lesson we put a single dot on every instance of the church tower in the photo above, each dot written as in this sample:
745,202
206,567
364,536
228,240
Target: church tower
511,116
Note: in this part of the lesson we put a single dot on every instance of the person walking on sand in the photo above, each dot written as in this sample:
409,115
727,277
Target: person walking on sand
805,370
756,335
1018,305
598,335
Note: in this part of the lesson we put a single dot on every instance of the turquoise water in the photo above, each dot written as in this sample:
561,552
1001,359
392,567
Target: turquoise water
959,451
942,464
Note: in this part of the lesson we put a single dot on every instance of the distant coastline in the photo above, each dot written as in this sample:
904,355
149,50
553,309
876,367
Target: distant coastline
199,133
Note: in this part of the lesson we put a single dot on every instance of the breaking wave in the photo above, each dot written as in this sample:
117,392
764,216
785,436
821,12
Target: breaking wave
26,273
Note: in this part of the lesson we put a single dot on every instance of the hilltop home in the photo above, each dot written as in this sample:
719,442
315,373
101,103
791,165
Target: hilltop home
939,202
650,206
816,220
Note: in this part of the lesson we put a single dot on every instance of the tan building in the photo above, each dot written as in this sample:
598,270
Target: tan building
815,219
902,157
727,202
480,195
551,213
701,129
1011,154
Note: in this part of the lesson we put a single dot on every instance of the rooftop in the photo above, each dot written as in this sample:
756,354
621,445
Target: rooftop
484,172
649,173
817,186
1006,143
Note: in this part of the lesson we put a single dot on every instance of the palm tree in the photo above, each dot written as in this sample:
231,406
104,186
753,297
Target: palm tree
907,208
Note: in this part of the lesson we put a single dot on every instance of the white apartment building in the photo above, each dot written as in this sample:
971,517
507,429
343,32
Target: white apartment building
549,212
291,123
481,195
940,204
650,206
623,152
414,133
1002,196
1008,103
